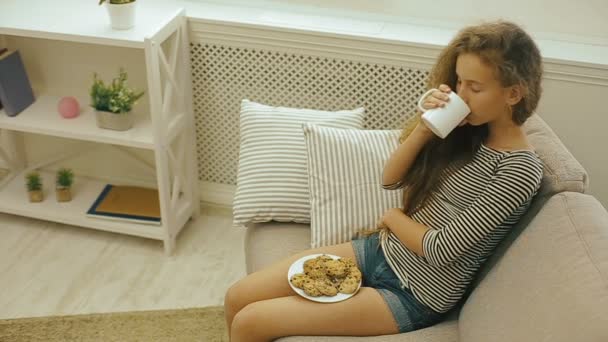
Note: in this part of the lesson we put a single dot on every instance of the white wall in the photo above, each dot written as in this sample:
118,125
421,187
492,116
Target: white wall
586,19
574,112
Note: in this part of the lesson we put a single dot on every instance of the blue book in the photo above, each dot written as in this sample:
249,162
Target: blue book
15,90
127,203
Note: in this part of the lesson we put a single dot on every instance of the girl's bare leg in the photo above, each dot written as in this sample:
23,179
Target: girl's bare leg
271,282
364,314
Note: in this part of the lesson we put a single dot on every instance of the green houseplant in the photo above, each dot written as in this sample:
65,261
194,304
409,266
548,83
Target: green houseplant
63,185
121,12
113,102
33,183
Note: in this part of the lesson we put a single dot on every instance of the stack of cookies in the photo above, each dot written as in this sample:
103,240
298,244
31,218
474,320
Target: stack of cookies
325,276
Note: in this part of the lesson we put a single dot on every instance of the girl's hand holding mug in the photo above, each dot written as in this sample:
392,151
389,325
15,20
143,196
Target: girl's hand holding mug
437,98
443,110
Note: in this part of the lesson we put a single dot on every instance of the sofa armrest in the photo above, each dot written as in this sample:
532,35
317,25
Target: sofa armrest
551,284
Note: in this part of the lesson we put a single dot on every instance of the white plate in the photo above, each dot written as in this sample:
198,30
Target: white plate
298,267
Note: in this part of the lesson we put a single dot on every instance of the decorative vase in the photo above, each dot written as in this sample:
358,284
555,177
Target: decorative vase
122,16
114,121
63,194
36,195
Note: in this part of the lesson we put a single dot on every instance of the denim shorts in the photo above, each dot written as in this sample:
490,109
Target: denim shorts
409,313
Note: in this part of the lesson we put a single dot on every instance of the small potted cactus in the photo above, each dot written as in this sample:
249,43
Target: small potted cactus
33,182
63,185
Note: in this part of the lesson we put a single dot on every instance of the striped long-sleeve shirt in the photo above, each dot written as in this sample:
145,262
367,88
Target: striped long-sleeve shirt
472,211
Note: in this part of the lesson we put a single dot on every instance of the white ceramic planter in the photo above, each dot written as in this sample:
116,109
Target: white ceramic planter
122,16
117,122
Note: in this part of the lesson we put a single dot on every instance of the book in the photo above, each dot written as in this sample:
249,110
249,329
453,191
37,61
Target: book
2,51
127,203
15,89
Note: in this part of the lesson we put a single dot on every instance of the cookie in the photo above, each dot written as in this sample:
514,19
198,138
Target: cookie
298,279
317,273
336,281
309,265
336,268
315,268
324,258
355,273
326,287
310,289
348,262
348,286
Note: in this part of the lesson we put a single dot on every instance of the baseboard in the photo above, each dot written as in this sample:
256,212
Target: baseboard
217,194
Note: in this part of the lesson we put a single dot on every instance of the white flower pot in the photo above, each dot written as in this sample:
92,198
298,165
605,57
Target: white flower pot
117,122
122,16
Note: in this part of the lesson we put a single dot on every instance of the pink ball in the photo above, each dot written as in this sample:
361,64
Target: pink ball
68,107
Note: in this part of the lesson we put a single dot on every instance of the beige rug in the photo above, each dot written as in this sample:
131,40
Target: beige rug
199,324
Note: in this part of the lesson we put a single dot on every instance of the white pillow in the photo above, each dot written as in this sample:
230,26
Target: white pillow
345,175
272,183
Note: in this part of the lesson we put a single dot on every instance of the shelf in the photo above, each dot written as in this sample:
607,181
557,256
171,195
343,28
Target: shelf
160,25
14,200
82,21
42,117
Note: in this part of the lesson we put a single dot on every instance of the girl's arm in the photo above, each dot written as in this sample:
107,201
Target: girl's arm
505,198
513,186
408,231
402,159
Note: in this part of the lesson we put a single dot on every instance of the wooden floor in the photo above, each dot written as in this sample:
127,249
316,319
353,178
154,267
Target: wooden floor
54,269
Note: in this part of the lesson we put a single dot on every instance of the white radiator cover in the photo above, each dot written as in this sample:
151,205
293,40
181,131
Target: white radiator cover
224,75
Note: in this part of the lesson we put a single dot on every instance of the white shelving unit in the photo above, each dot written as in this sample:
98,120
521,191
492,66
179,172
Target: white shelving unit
168,130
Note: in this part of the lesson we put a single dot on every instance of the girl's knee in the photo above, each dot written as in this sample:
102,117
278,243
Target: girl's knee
248,324
236,297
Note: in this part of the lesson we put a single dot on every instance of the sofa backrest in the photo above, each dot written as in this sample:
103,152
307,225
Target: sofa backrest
562,171
551,284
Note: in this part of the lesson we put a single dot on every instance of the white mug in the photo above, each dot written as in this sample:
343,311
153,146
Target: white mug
442,120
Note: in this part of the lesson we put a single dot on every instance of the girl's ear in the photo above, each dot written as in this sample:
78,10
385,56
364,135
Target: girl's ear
513,94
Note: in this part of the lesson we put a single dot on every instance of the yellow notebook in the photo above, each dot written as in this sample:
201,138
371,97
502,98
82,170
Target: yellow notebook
127,203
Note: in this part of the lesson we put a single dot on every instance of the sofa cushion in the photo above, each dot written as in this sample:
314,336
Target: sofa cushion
552,282
268,242
345,178
562,171
272,183
446,331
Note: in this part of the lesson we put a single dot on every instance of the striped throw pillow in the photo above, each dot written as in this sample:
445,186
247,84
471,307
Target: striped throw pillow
272,182
345,174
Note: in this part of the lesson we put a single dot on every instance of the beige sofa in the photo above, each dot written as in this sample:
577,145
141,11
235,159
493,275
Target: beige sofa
547,281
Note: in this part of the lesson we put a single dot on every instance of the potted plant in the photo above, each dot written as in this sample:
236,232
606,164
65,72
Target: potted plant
63,184
121,12
34,186
113,102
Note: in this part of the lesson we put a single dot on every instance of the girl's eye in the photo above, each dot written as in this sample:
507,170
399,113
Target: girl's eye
475,90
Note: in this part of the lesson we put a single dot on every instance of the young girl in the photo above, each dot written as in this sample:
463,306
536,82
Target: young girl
462,195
